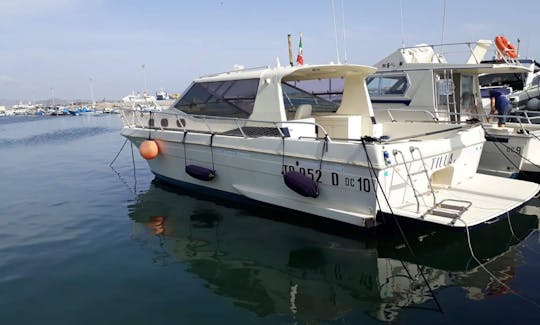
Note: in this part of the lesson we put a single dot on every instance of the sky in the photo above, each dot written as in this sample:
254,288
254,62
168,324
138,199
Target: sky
70,48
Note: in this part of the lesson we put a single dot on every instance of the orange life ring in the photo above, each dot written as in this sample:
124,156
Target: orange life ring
505,47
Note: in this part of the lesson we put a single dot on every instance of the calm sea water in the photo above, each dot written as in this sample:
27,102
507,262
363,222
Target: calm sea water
81,243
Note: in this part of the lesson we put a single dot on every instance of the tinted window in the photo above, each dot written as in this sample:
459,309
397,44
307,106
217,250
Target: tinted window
232,98
387,85
323,95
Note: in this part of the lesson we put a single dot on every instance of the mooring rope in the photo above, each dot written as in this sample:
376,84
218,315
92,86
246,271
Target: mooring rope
151,118
133,164
212,150
490,273
509,149
510,225
118,154
534,135
185,151
420,267
283,171
134,171
522,242
324,149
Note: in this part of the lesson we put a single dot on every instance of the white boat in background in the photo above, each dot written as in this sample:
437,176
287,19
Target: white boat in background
142,102
262,134
523,88
23,109
3,110
162,95
138,98
418,83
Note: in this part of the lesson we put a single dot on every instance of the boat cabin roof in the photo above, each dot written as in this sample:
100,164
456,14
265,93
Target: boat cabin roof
276,94
482,68
400,60
294,73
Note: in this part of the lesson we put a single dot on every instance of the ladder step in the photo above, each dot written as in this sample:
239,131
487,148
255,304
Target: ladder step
447,206
444,213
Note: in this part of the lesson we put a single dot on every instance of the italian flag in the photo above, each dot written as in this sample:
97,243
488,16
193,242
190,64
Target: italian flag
300,58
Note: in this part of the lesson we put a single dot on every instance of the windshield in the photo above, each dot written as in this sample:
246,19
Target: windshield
323,95
231,98
384,85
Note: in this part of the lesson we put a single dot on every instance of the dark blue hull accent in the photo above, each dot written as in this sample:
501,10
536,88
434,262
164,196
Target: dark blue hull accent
201,173
391,101
301,184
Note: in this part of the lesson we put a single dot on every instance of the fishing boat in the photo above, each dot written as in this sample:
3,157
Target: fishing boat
420,83
265,135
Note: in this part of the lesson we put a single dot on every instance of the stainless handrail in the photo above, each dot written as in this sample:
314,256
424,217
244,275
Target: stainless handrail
395,153
138,121
412,150
431,115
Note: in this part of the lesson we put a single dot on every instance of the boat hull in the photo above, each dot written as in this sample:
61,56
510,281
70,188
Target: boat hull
351,191
510,154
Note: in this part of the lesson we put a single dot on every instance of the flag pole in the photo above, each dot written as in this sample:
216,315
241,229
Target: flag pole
290,49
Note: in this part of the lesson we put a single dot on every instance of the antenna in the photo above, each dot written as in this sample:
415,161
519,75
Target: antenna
144,76
335,29
443,22
402,29
344,28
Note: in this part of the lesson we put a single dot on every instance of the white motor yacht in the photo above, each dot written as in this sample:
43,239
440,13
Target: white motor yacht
266,135
419,83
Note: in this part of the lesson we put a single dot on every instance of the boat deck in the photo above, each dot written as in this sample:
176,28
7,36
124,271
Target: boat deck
488,205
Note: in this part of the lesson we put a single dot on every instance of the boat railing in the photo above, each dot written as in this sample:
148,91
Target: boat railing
458,52
247,128
427,114
523,118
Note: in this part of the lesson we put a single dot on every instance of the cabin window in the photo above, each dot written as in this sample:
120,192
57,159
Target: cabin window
230,98
379,86
324,95
445,89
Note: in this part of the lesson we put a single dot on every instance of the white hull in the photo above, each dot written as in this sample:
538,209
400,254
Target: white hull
420,84
507,152
252,168
510,151
266,135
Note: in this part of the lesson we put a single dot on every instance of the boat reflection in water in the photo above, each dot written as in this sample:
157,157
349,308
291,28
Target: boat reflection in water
271,267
